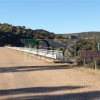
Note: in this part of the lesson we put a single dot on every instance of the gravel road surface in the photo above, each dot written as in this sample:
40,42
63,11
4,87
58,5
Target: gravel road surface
23,77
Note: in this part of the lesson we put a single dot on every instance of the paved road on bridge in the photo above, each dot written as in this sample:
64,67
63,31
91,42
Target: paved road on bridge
23,78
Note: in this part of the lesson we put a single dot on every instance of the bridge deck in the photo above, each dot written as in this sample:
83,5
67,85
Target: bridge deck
35,79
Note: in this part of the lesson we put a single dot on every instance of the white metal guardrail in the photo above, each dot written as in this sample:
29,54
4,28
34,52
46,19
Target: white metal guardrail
42,52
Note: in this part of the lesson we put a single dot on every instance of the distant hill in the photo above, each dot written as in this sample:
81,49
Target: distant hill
14,35
84,35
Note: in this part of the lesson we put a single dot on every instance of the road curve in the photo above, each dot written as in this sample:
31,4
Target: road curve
28,78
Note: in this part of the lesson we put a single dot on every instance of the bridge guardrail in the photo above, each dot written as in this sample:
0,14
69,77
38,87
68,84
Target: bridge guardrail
42,52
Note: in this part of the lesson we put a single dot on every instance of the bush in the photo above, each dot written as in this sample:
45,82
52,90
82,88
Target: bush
60,49
79,60
98,63
91,65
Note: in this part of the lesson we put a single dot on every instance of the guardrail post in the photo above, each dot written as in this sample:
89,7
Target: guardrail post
95,63
84,63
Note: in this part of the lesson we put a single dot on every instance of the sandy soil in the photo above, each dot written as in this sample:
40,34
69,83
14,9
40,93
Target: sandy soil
28,78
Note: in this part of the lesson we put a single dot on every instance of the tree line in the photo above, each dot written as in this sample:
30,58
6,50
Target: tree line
14,35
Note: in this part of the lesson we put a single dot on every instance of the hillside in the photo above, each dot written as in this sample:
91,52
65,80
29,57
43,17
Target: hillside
14,35
84,35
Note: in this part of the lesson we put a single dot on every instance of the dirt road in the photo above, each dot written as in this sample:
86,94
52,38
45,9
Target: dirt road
23,78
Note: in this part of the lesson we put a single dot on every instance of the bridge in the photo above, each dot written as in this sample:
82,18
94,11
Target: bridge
53,54
42,80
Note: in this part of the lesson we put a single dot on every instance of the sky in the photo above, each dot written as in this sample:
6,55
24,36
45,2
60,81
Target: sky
58,16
